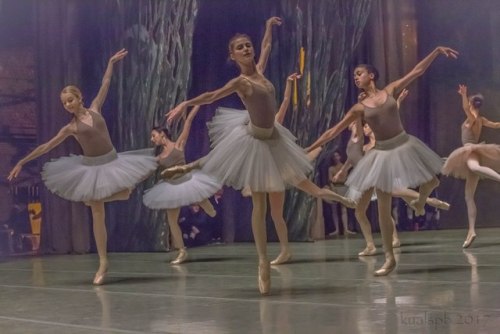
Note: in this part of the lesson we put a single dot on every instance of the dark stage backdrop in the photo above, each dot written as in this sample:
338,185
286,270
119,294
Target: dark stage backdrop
472,28
74,42
76,38
329,32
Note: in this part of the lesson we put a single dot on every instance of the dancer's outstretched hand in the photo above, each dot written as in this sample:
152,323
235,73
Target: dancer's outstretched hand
402,96
118,56
294,76
275,20
462,90
14,172
448,52
175,113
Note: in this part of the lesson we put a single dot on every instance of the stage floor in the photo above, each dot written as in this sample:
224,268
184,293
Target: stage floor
436,288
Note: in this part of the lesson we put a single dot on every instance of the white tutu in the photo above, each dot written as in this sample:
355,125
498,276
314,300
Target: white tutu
79,178
244,155
456,164
190,188
397,163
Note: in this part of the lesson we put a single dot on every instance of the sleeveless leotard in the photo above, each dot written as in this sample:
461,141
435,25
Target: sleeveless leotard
95,139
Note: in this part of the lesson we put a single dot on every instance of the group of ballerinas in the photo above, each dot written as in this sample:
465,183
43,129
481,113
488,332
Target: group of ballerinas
251,150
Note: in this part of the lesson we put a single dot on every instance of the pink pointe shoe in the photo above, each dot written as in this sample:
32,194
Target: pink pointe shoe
386,269
281,259
181,257
101,274
264,278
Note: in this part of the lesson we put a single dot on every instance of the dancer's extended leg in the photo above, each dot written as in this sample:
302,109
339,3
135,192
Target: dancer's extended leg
409,194
260,237
175,231
386,229
326,194
101,239
470,190
364,223
276,202
424,192
207,206
476,168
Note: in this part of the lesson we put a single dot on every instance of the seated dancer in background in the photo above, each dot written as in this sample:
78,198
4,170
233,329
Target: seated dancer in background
99,175
397,161
473,160
249,147
176,192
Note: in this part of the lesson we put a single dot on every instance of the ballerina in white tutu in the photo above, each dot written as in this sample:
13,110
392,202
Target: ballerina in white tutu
251,148
397,161
173,193
355,150
278,199
473,160
99,175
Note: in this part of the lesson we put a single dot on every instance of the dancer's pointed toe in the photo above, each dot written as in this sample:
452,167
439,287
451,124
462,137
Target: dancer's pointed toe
386,269
264,278
470,239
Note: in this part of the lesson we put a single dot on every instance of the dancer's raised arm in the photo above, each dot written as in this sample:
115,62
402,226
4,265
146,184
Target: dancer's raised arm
265,49
181,141
355,112
420,68
462,90
401,97
235,85
280,116
106,80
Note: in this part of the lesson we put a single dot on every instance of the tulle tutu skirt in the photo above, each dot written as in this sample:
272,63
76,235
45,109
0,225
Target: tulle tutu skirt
397,163
80,178
456,164
190,188
265,160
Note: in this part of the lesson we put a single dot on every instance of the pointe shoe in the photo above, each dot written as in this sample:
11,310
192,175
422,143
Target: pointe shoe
181,257
334,233
469,241
396,243
349,232
368,251
282,258
418,211
264,278
386,269
442,205
330,197
100,275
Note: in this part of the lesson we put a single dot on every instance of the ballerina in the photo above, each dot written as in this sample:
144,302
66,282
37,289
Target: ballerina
473,160
173,193
99,175
398,160
355,150
249,147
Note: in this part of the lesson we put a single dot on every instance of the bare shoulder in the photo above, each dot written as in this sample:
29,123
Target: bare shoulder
243,85
358,109
69,129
